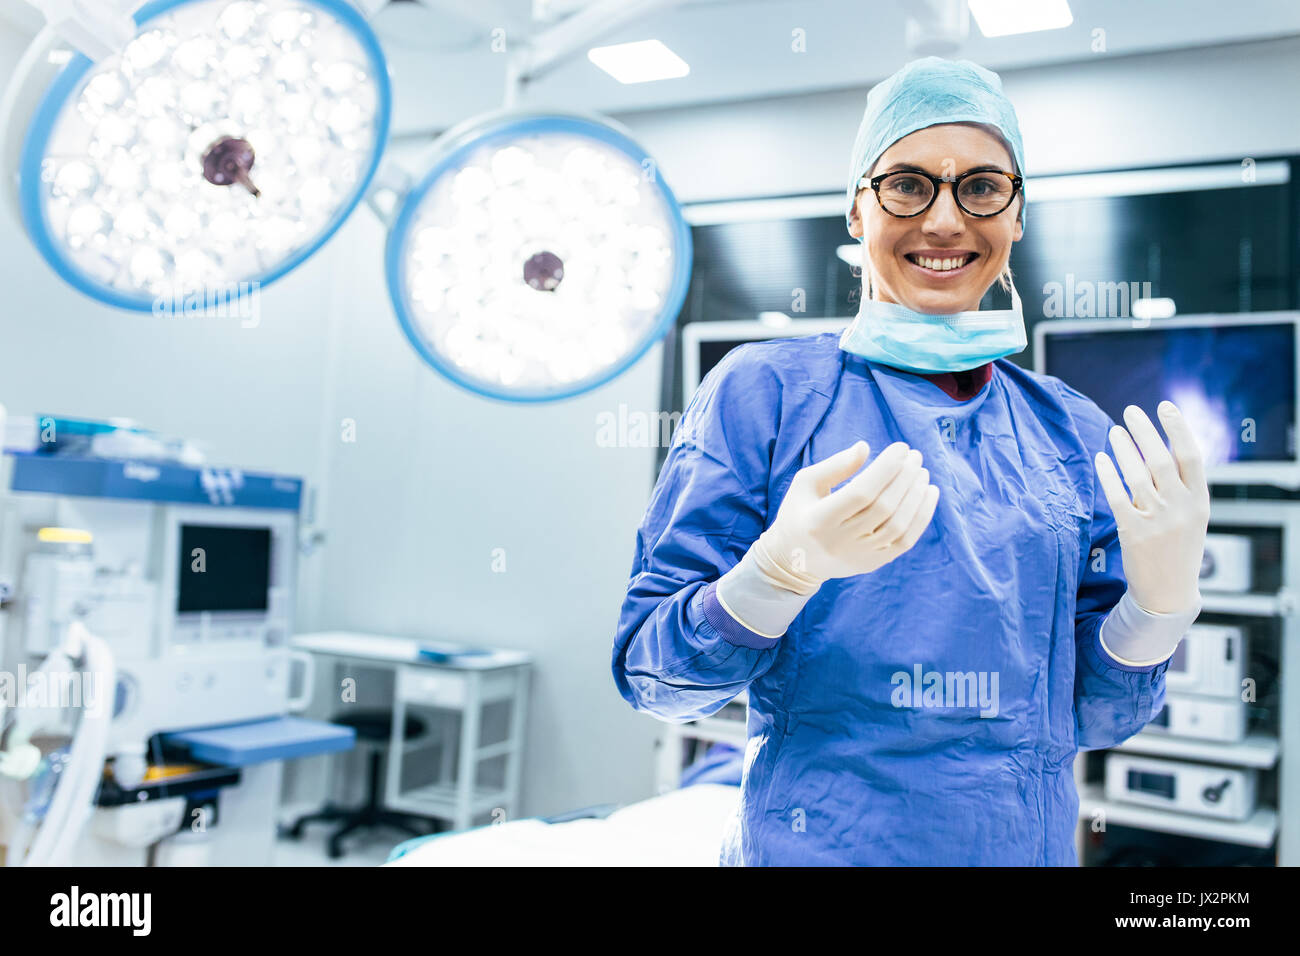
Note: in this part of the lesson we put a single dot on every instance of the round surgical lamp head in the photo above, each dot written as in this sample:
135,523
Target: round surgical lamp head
539,257
220,148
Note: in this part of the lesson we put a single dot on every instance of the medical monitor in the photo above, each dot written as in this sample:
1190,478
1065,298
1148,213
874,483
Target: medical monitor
1233,376
223,568
704,344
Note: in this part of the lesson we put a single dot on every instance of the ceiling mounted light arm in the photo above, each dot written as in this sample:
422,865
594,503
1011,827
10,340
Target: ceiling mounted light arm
387,191
97,28
548,49
36,69
488,14
936,27
100,28
369,8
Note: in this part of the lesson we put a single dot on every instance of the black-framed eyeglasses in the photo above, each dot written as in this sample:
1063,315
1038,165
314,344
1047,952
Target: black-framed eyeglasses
980,192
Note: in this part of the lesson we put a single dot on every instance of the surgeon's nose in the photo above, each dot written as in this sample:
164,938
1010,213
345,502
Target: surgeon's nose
944,217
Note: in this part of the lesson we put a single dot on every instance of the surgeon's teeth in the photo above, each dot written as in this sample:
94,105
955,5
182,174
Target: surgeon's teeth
942,265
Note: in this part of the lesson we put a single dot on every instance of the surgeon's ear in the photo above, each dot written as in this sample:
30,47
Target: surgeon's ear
855,218
1020,228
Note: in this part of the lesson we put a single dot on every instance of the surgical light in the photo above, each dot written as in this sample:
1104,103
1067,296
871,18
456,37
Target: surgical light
222,145
1000,18
641,62
540,256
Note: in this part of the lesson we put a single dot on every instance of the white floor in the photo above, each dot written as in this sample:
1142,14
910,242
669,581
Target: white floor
369,848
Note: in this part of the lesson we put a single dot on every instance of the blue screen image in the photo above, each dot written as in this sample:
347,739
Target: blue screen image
1234,383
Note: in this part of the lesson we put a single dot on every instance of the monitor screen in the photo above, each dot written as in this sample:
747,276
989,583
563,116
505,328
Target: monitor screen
1234,382
714,351
705,344
223,568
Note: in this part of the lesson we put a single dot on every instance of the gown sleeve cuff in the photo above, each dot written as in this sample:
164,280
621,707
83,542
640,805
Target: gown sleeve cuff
758,601
1134,639
729,627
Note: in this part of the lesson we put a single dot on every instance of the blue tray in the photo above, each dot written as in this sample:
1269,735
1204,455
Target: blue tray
282,738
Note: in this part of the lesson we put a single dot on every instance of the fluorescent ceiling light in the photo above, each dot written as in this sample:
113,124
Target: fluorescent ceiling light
1000,18
639,62
1142,182
850,253
1154,309
759,210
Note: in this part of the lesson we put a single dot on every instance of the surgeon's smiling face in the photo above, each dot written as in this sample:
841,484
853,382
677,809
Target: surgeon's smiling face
943,260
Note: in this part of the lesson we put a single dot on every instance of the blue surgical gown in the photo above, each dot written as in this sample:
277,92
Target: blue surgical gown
1012,578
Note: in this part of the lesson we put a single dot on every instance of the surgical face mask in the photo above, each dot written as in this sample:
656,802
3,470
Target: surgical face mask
897,336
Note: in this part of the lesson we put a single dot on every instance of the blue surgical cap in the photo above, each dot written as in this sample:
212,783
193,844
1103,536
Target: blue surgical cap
929,92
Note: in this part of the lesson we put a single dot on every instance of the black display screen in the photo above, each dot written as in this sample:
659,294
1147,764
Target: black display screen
713,352
223,568
1156,784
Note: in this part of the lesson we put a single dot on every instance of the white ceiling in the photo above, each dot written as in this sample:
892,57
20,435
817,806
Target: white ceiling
444,69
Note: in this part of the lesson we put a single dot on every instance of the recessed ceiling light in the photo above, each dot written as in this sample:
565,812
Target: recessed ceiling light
639,62
1000,18
1154,309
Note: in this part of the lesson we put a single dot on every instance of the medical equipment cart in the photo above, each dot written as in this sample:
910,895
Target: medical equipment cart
451,681
1273,611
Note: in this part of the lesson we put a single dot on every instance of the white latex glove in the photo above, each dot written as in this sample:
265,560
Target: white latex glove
821,534
1162,528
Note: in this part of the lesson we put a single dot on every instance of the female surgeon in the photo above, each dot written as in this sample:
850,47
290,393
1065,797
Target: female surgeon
913,554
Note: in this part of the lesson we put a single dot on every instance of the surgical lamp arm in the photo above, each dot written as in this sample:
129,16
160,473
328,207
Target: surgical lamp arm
369,8
543,52
100,28
97,28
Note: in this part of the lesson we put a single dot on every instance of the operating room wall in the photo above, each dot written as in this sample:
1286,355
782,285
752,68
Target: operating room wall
1099,113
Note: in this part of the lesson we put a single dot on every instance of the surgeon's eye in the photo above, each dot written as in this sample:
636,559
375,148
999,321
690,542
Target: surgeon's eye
986,193
906,185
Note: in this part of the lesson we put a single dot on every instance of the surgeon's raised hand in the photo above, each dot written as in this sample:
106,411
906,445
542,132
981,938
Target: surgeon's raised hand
820,533
1162,524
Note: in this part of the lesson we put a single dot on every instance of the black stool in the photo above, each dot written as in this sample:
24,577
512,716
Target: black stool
373,727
